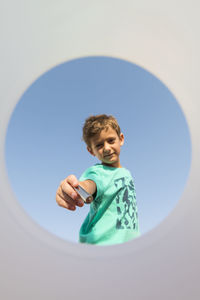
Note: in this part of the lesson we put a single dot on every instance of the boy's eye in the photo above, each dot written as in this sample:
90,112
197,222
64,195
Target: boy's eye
99,145
111,141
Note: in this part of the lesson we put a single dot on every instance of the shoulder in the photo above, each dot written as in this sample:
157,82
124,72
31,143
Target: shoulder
94,168
91,172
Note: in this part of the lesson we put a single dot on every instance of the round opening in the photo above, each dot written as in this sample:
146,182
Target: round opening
44,139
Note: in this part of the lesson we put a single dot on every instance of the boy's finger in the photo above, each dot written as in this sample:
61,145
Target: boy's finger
66,188
64,204
72,180
69,195
77,199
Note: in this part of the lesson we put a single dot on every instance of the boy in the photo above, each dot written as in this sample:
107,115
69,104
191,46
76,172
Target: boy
113,216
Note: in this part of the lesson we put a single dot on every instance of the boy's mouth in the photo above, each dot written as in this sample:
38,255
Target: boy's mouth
108,155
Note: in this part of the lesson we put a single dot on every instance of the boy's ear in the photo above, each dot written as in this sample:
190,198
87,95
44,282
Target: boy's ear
90,150
121,138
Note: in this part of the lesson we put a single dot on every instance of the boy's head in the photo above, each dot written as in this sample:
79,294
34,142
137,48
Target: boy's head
103,137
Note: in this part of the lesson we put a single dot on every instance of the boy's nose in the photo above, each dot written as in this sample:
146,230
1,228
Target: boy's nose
106,147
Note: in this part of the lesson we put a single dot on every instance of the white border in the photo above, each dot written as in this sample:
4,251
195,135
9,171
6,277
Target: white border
156,37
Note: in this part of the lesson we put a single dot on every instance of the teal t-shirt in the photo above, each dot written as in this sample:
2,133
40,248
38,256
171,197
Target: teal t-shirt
113,215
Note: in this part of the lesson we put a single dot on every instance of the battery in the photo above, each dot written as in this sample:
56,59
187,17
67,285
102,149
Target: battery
87,198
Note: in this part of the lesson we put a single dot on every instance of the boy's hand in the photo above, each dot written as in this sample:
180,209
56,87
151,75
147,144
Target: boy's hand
66,196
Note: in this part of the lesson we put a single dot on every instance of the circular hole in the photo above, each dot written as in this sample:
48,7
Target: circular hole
44,145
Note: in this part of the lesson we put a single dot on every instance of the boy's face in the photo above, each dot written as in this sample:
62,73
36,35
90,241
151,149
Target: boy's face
106,147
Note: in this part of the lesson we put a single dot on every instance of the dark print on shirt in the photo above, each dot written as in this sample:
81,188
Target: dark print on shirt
126,204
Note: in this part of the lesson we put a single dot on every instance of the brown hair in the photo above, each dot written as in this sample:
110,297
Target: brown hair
95,124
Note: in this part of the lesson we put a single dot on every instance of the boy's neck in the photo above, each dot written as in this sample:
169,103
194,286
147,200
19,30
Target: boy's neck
117,165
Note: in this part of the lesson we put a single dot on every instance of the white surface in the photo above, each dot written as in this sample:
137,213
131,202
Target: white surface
162,37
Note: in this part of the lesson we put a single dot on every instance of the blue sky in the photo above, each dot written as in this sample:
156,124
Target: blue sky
44,145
